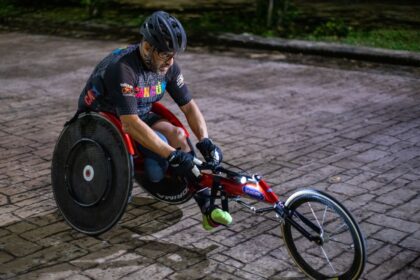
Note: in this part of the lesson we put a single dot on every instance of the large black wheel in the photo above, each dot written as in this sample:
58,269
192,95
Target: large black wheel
91,174
338,250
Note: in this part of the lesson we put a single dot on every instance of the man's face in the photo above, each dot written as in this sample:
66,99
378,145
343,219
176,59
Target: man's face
161,61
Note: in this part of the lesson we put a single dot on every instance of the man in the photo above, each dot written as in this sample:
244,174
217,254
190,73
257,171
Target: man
129,80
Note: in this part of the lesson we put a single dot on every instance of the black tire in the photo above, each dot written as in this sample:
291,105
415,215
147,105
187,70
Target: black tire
342,253
91,174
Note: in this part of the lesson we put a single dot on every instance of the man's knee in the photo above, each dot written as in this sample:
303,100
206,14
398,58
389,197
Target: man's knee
178,137
175,135
180,134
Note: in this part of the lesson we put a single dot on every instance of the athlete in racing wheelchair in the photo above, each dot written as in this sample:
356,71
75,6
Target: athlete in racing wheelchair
121,132
126,84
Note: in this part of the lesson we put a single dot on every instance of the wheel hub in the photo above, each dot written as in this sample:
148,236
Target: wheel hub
88,173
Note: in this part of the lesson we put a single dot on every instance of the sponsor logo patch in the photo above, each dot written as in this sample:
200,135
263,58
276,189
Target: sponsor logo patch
127,89
252,192
145,92
90,97
180,81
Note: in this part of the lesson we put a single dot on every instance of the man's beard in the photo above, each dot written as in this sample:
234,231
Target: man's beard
148,60
160,72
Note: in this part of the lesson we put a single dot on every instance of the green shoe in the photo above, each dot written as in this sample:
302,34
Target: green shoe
221,217
217,217
208,225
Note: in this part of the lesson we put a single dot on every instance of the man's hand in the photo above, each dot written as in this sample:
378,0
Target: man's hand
183,165
211,153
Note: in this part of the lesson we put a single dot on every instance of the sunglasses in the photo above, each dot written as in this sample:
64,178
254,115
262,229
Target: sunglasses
165,56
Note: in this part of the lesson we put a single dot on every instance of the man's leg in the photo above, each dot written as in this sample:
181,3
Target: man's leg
155,166
212,217
175,135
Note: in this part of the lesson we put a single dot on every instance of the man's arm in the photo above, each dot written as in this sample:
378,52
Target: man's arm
195,120
144,135
208,149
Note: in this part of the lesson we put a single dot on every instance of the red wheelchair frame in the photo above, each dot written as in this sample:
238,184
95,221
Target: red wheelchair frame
256,189
228,185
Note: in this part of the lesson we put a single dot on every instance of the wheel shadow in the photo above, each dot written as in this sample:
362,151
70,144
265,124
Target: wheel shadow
147,216
49,248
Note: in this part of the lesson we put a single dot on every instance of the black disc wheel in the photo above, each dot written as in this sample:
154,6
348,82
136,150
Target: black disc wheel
337,250
88,173
91,174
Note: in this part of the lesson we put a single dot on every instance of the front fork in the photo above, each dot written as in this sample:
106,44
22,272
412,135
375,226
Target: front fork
286,216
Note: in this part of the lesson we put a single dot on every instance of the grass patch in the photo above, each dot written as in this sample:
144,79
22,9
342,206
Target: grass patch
68,14
389,38
221,22
393,38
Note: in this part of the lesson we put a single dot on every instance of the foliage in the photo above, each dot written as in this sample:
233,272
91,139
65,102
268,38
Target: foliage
43,3
389,38
221,22
392,38
288,22
7,9
333,27
95,8
276,15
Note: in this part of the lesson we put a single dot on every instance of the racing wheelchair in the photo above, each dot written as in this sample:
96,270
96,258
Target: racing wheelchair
95,162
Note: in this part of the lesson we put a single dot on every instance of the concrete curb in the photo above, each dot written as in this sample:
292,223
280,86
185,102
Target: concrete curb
320,48
230,40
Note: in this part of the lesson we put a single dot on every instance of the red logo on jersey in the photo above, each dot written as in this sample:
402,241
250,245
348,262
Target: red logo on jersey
127,89
89,97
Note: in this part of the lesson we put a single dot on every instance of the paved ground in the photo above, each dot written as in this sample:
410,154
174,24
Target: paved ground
299,124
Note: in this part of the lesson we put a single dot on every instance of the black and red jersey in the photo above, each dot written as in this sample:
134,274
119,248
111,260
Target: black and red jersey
123,85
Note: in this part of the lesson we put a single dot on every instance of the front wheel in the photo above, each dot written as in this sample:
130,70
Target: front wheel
337,250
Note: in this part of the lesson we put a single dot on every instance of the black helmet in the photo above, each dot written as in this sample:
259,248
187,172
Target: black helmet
164,32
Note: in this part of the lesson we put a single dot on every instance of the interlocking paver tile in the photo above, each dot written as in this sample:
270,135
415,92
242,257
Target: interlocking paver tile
392,266
352,131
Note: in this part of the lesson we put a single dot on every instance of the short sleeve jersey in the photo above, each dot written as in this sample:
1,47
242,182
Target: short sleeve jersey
123,85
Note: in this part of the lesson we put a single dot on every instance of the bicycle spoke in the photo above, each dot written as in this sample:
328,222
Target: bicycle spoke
313,213
328,260
337,230
344,245
325,214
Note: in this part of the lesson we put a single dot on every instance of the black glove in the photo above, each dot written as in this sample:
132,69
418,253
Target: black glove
211,152
182,164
